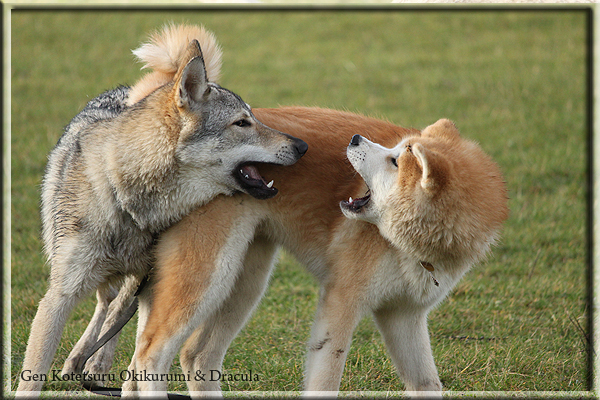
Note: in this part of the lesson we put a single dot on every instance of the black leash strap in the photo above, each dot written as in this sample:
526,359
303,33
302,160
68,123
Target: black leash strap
119,324
116,328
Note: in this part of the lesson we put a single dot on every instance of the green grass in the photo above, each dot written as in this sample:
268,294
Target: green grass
515,81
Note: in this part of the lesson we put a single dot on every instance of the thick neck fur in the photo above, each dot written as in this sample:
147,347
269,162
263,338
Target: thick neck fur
448,239
139,162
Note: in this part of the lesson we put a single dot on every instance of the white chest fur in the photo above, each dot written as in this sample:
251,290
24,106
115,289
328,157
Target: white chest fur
404,281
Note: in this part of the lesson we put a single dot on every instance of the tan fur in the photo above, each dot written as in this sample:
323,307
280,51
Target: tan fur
166,51
180,253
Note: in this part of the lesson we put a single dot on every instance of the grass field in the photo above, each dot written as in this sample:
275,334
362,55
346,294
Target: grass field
515,81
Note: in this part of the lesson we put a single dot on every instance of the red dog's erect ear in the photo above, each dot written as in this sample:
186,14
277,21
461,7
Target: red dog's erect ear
434,166
443,128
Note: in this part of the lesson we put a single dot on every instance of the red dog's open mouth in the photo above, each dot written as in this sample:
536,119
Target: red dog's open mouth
356,205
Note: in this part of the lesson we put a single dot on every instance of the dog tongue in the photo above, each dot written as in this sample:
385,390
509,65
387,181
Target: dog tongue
252,172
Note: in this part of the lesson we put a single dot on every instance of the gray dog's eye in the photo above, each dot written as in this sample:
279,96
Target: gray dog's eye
394,161
242,123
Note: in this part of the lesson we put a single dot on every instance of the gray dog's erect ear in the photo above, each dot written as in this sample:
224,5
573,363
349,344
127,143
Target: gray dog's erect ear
191,81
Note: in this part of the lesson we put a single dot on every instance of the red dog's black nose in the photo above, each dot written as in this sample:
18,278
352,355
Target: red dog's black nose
355,140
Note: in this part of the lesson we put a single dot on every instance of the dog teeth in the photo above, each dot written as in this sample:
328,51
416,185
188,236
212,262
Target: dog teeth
245,175
270,184
350,200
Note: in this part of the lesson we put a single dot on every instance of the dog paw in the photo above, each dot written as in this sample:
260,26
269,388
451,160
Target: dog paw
71,366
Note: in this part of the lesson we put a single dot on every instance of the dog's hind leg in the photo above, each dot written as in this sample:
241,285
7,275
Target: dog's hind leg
99,364
205,349
407,339
165,331
194,275
105,295
130,387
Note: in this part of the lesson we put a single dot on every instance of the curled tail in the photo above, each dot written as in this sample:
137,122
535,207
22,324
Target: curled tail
165,52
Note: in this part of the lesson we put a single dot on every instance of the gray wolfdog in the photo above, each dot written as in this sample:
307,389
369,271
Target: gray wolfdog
124,171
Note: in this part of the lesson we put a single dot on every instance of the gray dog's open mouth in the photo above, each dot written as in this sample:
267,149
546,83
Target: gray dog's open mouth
356,205
252,182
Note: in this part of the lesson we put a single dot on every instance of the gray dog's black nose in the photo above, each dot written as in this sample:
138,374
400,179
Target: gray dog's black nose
301,147
355,140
